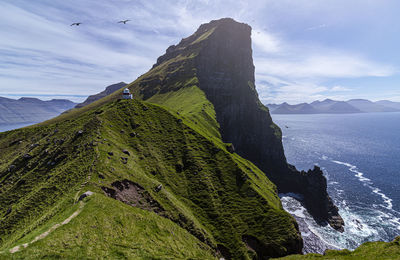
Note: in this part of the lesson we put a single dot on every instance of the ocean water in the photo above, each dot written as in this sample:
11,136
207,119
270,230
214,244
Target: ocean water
7,127
360,156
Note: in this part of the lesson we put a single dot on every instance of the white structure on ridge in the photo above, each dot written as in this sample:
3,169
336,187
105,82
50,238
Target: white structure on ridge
126,94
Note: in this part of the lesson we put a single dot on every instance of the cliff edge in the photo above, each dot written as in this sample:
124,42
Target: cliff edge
219,56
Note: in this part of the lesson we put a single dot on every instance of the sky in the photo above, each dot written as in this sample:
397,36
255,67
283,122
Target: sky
303,50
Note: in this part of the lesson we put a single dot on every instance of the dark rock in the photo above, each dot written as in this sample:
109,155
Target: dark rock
101,176
34,145
12,167
145,108
9,210
110,153
79,133
179,167
126,152
135,125
27,156
122,132
158,188
84,195
230,148
124,160
133,134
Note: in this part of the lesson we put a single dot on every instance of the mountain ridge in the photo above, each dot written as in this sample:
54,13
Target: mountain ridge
31,110
329,106
107,91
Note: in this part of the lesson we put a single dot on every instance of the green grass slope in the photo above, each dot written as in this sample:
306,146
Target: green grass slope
367,251
215,199
109,229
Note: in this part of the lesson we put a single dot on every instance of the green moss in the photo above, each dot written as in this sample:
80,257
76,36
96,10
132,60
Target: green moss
204,36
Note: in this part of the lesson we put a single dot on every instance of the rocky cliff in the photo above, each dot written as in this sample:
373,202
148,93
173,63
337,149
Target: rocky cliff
218,59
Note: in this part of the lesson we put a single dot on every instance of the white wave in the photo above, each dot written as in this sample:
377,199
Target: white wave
324,157
368,183
387,200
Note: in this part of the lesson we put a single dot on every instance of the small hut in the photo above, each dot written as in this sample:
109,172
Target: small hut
126,94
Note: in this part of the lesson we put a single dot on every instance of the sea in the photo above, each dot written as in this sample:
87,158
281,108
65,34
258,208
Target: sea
360,157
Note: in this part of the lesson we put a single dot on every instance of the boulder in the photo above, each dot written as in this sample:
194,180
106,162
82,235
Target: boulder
158,188
84,195
12,167
230,148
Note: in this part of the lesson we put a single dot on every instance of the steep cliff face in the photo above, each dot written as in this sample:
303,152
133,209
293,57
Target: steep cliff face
219,57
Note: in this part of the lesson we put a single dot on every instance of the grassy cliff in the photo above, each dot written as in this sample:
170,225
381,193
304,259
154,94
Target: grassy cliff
165,166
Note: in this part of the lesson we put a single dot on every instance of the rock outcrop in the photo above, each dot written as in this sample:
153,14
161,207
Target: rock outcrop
109,90
223,65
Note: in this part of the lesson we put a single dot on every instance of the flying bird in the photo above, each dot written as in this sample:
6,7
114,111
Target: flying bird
124,21
77,24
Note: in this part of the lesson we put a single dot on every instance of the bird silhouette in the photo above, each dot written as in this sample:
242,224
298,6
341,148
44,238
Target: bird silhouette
124,21
77,24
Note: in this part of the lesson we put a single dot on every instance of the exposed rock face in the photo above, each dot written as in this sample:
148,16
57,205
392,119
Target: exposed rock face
132,194
109,90
224,67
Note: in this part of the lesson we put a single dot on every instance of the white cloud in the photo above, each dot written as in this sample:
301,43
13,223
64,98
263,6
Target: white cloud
40,52
340,89
317,27
323,66
265,41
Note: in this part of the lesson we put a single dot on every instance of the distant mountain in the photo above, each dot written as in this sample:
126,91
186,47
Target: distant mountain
387,103
109,90
329,106
302,108
369,106
31,110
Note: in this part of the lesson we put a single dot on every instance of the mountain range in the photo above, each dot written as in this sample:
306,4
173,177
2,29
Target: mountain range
329,106
189,169
31,110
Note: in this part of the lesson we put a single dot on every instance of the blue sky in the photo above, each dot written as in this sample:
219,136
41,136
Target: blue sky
303,50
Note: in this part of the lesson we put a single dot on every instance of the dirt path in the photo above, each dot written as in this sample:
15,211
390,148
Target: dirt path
46,233
67,220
